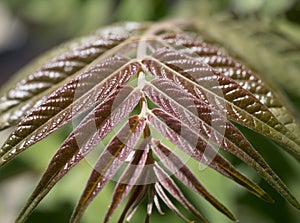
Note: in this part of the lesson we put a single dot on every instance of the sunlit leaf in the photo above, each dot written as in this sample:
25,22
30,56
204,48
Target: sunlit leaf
109,162
66,103
102,118
266,47
129,178
239,104
153,91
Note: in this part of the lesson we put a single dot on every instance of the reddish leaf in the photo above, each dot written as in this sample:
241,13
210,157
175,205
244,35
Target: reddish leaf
183,173
30,91
204,120
66,103
240,73
216,89
204,153
165,180
109,162
168,202
137,196
187,90
81,141
129,177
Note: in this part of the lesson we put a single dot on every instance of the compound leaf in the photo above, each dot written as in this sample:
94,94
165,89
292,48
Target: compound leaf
151,90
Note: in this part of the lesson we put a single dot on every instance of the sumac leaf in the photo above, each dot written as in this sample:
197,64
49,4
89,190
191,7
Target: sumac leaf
216,129
81,141
129,178
113,156
239,104
200,150
66,103
137,85
240,73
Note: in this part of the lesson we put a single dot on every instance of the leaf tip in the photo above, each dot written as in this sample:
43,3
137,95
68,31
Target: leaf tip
232,217
266,197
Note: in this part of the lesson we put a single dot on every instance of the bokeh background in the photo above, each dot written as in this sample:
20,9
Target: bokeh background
29,28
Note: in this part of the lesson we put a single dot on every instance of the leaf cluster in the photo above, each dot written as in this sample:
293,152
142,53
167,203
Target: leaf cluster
159,92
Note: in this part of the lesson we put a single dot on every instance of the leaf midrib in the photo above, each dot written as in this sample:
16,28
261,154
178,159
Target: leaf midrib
68,107
233,105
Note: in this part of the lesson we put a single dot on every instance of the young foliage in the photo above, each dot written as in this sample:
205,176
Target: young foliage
156,91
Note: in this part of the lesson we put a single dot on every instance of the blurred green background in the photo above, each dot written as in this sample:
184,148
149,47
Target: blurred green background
28,28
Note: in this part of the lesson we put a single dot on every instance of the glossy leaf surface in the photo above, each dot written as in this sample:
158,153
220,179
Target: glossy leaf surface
154,91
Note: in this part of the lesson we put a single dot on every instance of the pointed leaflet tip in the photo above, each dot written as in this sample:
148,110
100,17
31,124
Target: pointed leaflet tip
170,127
109,162
239,104
105,116
247,100
68,102
34,82
129,177
166,181
182,173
